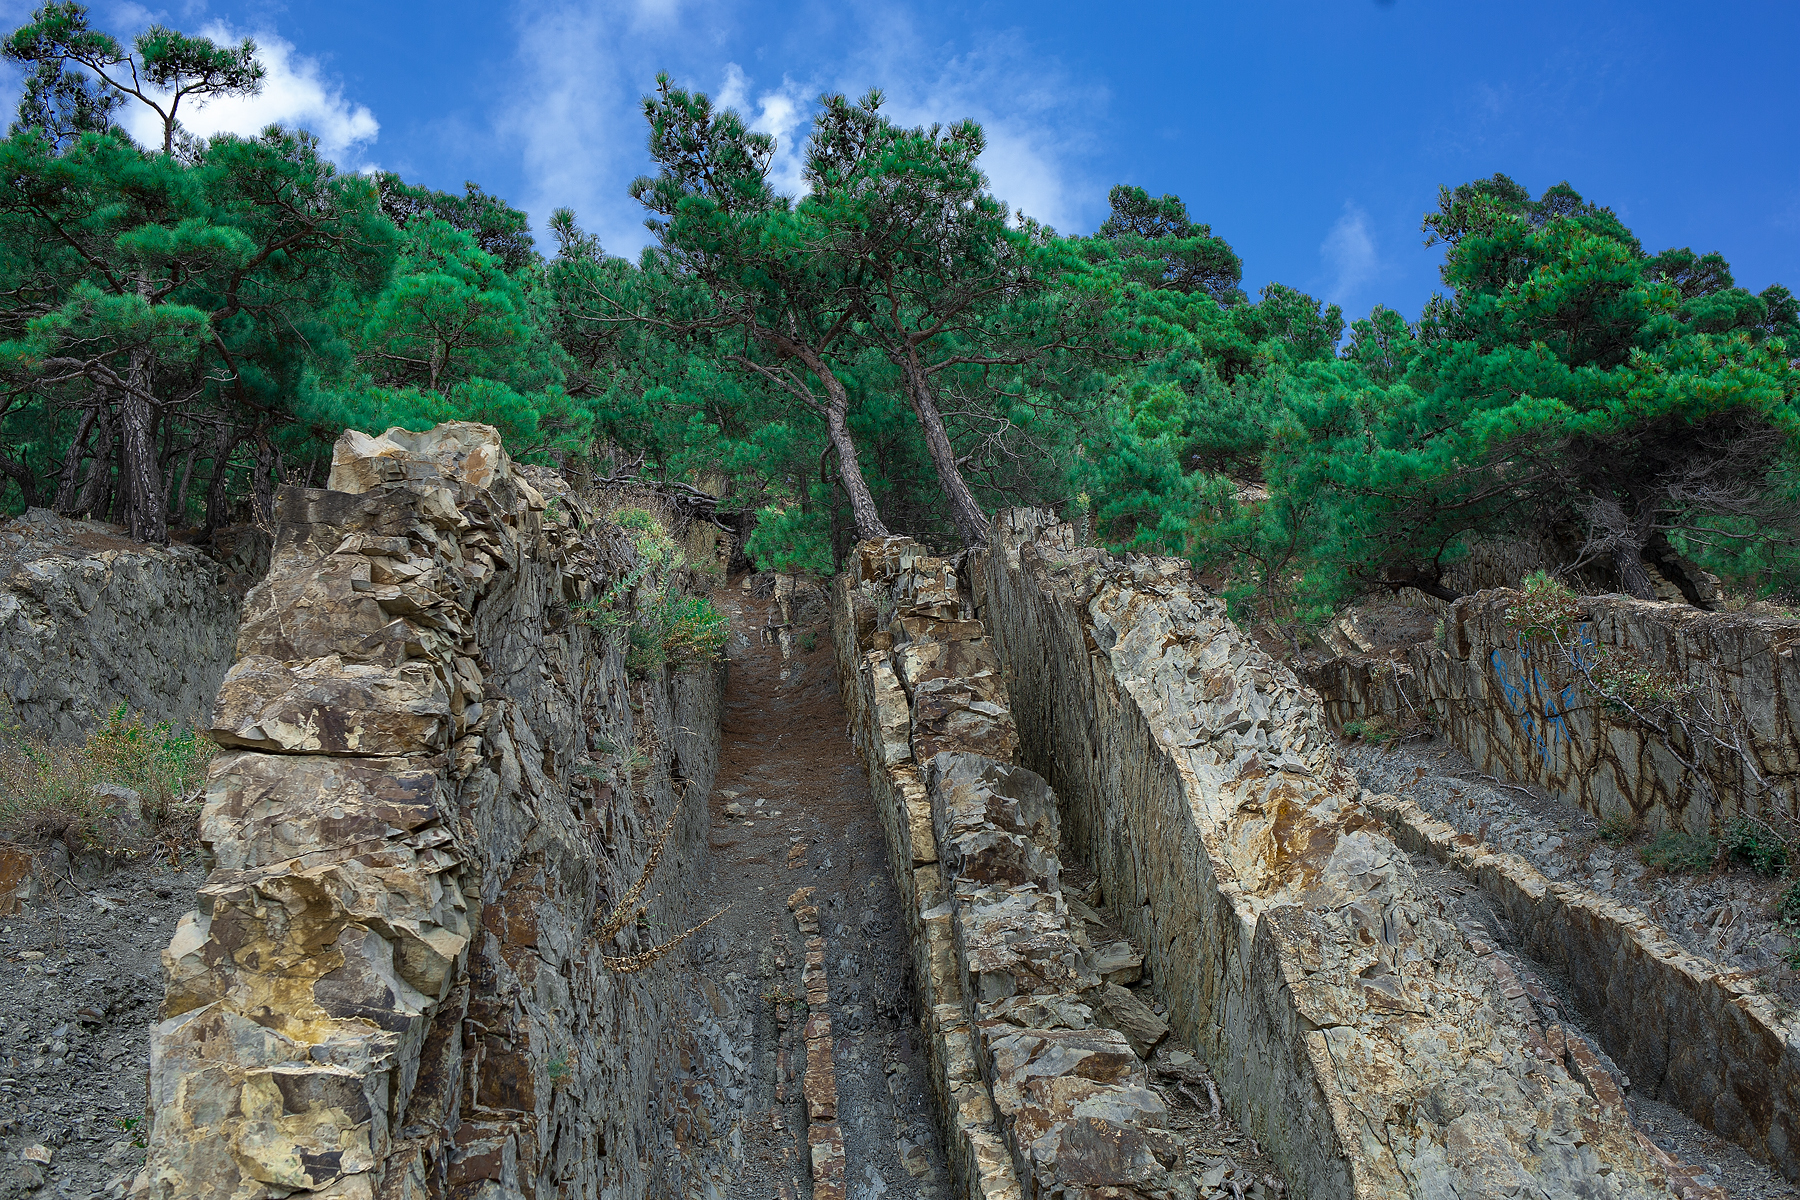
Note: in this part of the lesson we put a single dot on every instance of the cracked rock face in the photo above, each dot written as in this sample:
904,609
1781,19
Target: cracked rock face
1039,1056
1517,710
90,620
391,985
1357,1031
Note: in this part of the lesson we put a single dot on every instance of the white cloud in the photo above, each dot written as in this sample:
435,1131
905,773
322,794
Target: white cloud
1039,123
295,93
575,120
784,112
1349,254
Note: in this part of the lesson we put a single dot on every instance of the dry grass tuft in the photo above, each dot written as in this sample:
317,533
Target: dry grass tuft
81,795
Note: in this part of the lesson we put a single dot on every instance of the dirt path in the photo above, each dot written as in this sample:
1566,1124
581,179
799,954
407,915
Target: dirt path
792,810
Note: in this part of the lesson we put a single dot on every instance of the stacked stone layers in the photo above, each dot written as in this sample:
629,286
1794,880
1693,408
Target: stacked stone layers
1353,1029
90,622
389,987
1517,711
1704,1040
1038,1059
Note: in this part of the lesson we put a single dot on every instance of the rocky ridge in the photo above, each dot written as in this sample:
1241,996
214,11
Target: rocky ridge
438,785
90,621
1042,1058
1355,1030
1515,708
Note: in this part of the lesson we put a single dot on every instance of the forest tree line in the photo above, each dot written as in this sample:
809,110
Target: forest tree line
186,326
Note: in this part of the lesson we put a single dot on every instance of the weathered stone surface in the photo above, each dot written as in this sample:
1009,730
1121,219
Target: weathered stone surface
929,587
961,715
1351,1028
329,706
1116,1008
90,621
994,823
910,628
1519,712
879,560
892,716
379,993
999,959
1688,1034
922,661
970,792
1117,962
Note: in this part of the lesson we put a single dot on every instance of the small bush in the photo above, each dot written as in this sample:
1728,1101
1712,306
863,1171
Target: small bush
659,624
1787,915
1546,608
638,520
1371,729
1619,826
1678,852
51,791
1787,909
793,539
1758,845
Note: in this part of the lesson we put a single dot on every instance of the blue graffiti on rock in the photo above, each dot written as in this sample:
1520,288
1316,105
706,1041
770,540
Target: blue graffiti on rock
1549,730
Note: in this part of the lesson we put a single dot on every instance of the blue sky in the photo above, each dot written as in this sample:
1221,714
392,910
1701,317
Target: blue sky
1311,135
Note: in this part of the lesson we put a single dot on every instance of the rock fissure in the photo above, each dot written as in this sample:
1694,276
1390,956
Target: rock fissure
413,968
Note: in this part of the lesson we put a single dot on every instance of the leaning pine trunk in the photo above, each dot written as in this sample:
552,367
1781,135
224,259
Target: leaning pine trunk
837,408
71,468
139,476
965,512
90,501
862,504
224,441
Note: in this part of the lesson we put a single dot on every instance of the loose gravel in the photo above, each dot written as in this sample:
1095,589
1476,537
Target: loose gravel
80,985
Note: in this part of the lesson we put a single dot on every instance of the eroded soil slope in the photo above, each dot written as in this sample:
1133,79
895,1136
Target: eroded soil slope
80,983
792,810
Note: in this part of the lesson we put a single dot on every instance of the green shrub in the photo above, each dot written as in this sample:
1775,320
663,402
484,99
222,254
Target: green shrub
638,520
1757,845
1371,729
660,625
791,539
1620,826
1787,909
1673,851
49,790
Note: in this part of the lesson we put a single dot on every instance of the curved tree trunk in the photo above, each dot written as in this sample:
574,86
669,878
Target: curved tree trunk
837,427
67,481
965,511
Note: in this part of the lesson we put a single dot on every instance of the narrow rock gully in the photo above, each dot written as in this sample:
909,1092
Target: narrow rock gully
799,1073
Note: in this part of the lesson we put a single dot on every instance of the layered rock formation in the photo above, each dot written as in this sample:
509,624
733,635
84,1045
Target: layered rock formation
1363,1037
90,621
1518,711
438,784
1038,1057
1704,1040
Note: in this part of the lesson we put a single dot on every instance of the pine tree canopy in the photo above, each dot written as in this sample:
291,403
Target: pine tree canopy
187,326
